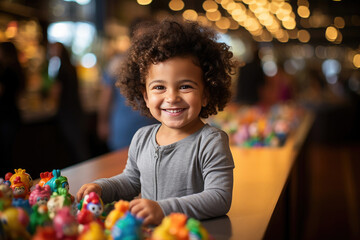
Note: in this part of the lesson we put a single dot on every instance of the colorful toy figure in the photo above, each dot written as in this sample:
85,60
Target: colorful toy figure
6,196
25,178
172,227
120,208
65,224
15,222
84,218
127,227
94,231
40,195
22,203
177,226
58,201
39,217
57,181
20,189
45,233
45,177
196,230
93,203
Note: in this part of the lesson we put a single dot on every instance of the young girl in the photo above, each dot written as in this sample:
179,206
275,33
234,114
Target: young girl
178,73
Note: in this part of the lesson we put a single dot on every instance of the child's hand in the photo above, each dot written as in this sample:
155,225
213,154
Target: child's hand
86,189
148,210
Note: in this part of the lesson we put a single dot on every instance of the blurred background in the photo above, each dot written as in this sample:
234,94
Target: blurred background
301,52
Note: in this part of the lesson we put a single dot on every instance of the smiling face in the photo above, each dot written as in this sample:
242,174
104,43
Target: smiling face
175,94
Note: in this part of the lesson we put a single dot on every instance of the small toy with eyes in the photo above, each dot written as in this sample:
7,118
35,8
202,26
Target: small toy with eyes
57,181
93,203
19,188
21,182
40,195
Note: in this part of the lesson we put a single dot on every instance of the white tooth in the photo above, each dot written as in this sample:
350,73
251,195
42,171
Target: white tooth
173,111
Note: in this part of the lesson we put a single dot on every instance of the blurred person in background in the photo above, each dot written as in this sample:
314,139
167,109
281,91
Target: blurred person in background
250,80
118,122
70,115
12,80
277,89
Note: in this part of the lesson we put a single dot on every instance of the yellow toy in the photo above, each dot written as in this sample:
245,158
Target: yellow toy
121,207
6,196
176,226
94,232
21,182
15,221
172,227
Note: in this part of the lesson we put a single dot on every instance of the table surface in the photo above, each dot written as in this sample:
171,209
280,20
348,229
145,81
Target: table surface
260,175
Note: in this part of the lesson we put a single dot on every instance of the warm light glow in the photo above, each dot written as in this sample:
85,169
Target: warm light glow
11,30
266,36
339,38
213,16
203,21
339,22
190,15
290,24
223,23
356,60
233,24
303,11
210,6
286,8
293,33
144,2
230,6
303,36
176,5
331,33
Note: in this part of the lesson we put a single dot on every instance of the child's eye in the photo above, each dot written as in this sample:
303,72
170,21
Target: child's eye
185,87
159,87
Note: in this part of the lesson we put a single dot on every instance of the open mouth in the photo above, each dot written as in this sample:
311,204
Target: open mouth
174,110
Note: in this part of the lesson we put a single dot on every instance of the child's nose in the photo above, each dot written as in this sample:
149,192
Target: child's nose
172,96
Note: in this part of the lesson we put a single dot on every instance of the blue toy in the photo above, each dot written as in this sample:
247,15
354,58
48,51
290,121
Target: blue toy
127,227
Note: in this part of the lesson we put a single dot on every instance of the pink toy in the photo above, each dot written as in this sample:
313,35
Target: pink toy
65,224
40,195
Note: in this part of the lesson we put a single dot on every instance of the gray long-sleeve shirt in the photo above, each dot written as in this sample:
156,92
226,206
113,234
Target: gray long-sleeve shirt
193,176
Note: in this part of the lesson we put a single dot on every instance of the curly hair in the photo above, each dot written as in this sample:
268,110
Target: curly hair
174,38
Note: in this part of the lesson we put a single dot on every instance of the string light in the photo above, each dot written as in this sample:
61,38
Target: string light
176,5
144,2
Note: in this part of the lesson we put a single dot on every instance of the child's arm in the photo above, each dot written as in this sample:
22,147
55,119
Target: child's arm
217,172
124,186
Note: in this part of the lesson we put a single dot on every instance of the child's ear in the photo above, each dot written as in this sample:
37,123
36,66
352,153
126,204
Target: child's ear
145,96
205,99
